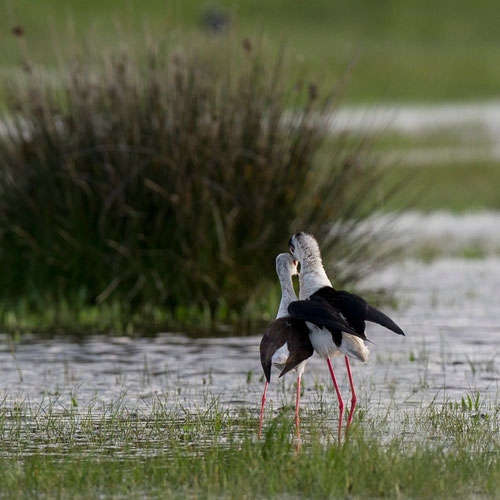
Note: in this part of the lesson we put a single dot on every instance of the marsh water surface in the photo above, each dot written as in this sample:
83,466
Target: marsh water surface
448,308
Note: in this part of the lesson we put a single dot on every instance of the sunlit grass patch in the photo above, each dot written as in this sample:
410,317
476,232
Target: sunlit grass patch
457,187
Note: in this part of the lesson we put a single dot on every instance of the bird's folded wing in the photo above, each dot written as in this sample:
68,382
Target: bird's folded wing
351,307
268,347
322,314
291,337
376,316
357,310
274,337
300,347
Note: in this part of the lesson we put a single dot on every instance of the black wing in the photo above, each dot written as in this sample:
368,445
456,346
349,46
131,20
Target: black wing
274,337
376,316
282,330
356,310
299,345
319,312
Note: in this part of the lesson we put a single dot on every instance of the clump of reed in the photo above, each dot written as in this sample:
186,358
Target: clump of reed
172,180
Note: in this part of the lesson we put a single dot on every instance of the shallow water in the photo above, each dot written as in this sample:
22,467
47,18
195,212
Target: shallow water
417,118
448,309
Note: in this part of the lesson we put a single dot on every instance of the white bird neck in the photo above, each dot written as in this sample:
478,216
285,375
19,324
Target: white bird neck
312,277
287,295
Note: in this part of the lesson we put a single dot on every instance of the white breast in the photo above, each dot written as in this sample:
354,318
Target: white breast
352,346
280,356
322,341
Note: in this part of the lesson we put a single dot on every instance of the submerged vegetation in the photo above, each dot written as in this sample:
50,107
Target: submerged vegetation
169,181
440,451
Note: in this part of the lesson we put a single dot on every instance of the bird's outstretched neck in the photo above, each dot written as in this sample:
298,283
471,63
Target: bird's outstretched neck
287,294
312,277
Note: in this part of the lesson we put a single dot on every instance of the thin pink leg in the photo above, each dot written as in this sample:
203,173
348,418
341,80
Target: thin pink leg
337,390
297,404
354,398
262,408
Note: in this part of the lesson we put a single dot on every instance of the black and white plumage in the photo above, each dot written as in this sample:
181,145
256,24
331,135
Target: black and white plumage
285,343
335,318
286,346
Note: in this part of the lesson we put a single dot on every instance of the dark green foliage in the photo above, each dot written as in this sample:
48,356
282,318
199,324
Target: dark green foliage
172,180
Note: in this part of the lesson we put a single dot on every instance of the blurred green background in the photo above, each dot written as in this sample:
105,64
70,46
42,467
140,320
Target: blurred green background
409,56
403,50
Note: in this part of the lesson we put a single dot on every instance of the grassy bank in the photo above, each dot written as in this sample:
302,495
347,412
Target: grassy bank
444,50
46,316
445,451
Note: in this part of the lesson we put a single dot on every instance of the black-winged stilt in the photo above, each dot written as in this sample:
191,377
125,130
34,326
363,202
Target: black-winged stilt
285,343
320,304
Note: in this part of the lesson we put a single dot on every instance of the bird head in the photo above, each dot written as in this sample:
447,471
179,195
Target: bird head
286,264
303,246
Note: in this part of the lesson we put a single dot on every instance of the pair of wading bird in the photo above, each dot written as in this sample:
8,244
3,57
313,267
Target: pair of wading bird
328,321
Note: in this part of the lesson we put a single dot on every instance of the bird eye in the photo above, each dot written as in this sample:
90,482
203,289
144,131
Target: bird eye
292,248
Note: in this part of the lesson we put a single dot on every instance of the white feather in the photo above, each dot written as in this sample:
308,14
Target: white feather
352,346
322,341
301,367
280,356
285,270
